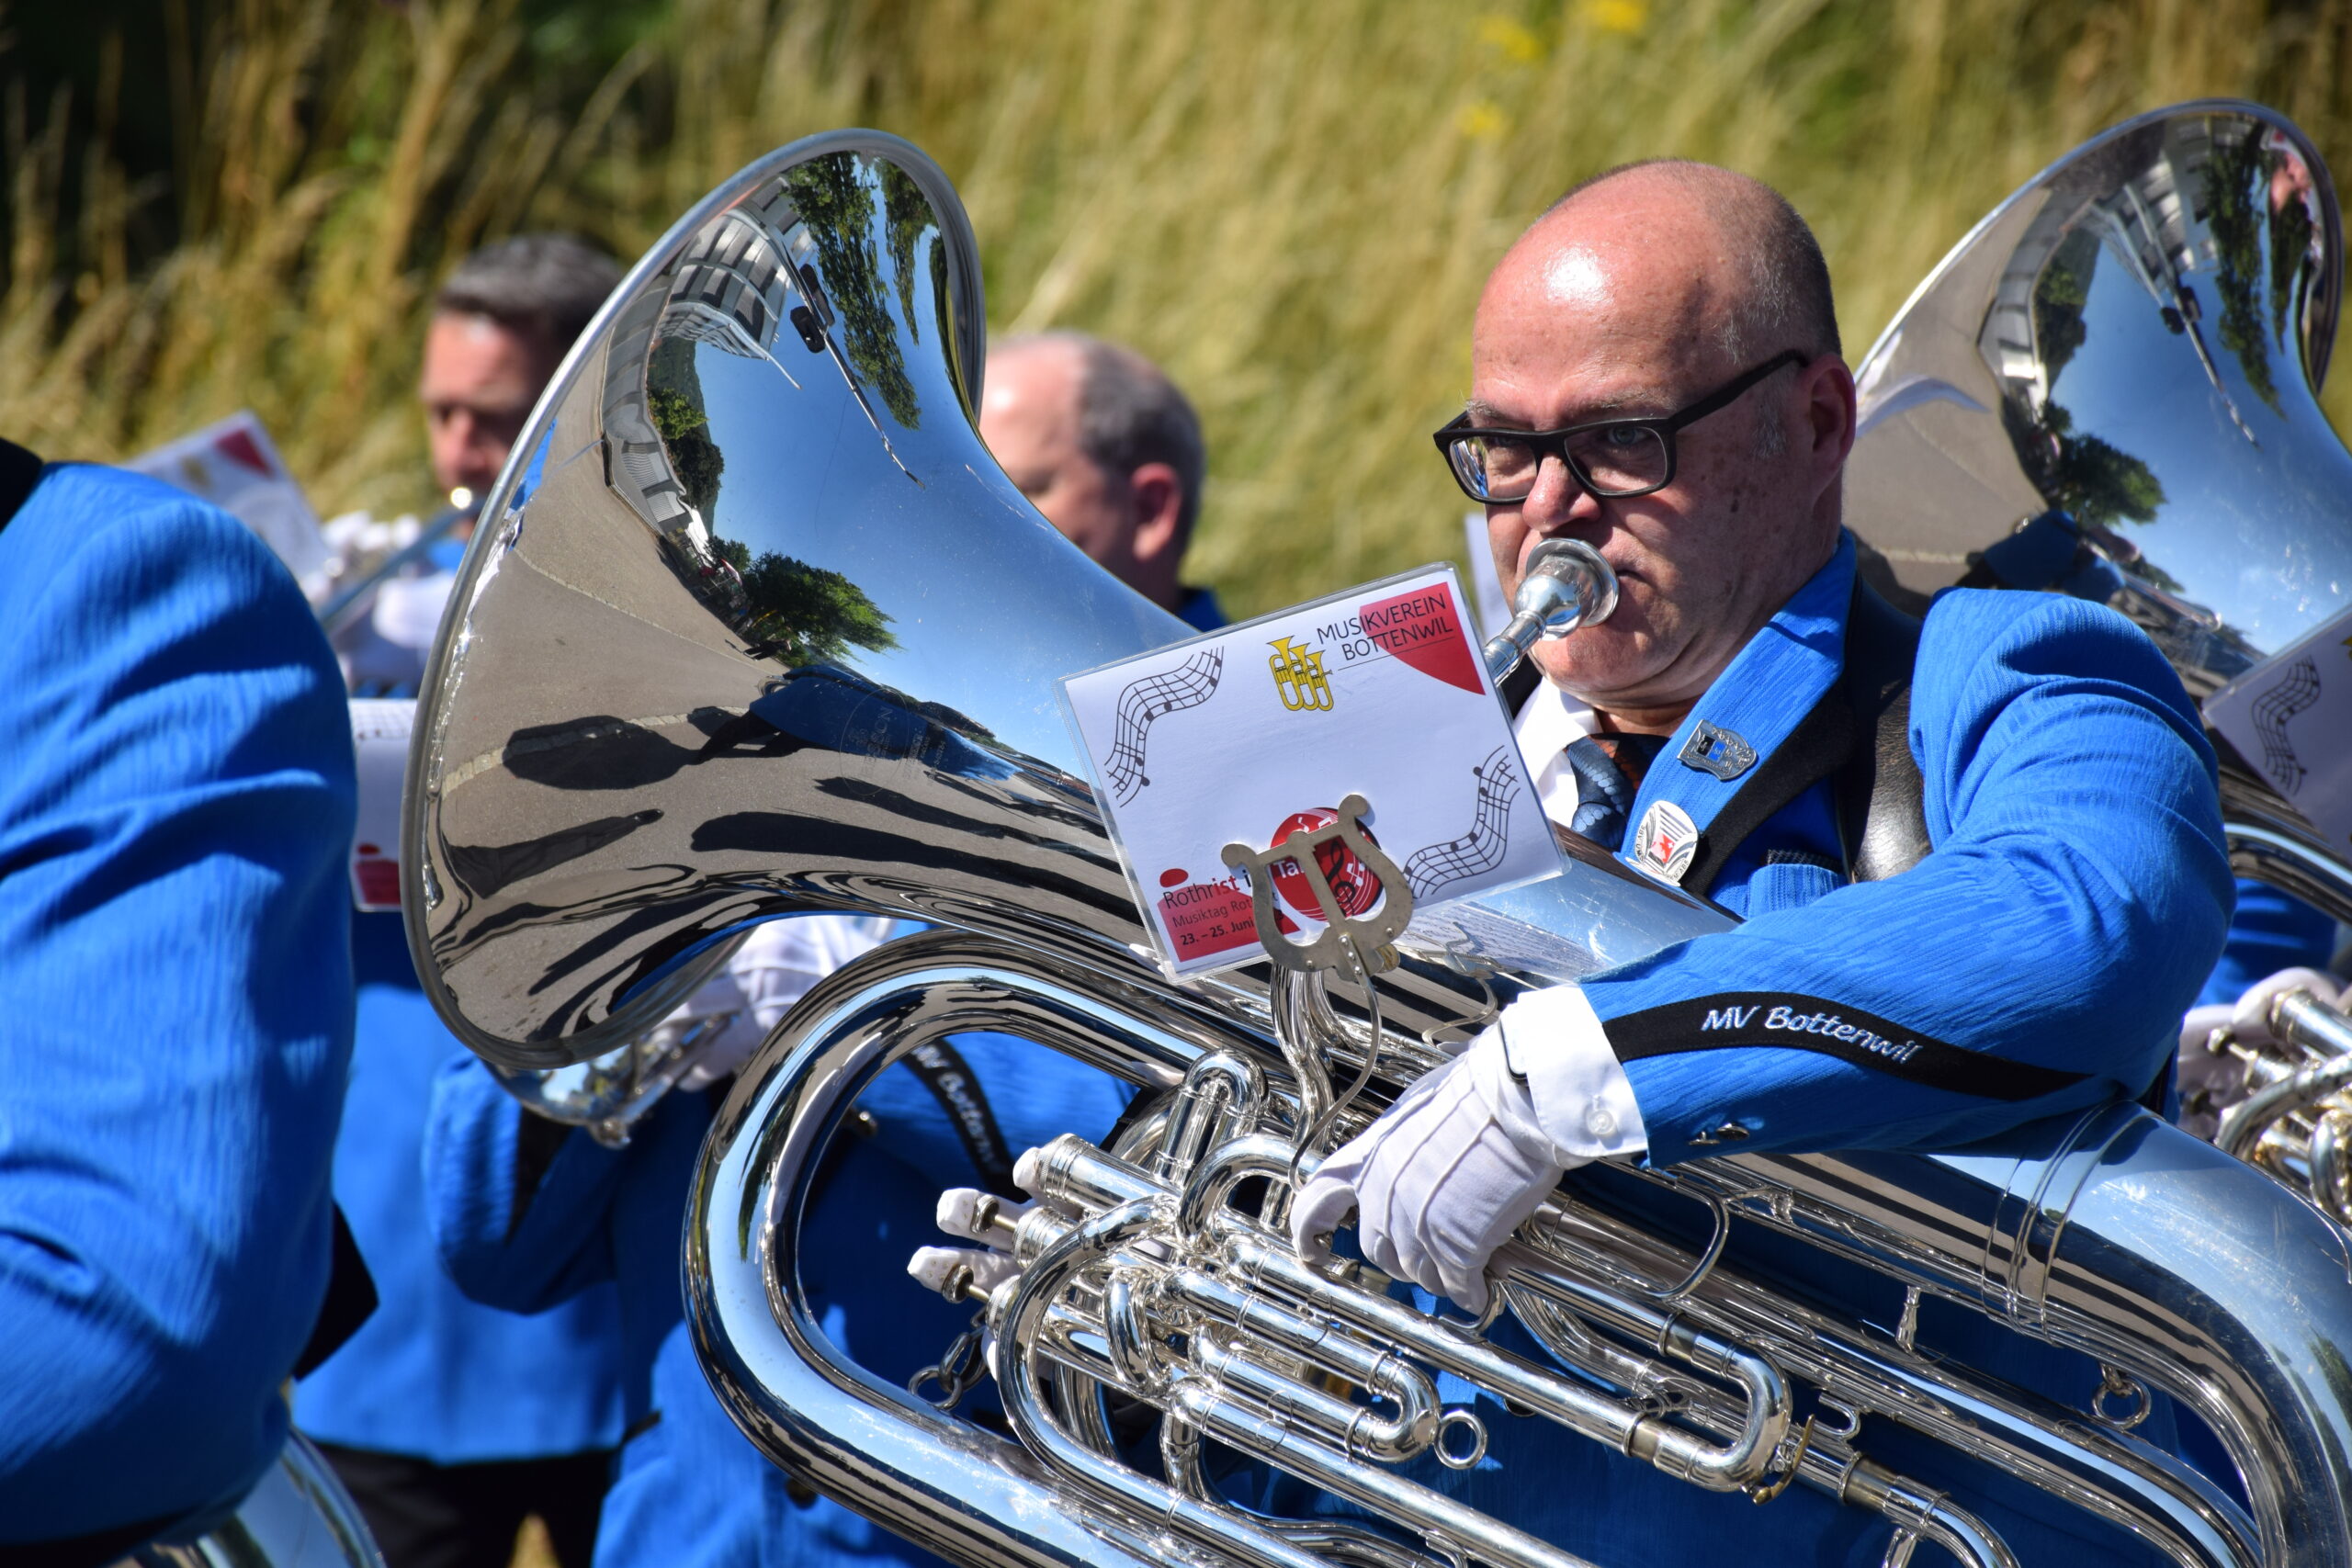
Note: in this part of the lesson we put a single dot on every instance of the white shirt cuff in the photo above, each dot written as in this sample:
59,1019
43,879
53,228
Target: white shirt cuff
1583,1100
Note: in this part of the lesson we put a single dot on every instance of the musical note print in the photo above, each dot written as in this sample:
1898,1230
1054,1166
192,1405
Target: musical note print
1188,685
1481,849
2282,702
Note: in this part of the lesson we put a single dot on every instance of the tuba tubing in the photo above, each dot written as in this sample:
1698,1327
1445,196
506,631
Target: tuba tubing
2109,1234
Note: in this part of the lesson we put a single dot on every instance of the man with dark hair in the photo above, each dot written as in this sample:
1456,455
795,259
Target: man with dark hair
451,1421
1104,445
501,325
1979,857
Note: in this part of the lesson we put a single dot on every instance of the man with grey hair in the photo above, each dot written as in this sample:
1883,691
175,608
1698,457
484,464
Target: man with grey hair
1105,446
1978,857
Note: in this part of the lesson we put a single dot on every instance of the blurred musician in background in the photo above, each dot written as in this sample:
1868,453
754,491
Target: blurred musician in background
1104,445
174,954
451,1421
501,325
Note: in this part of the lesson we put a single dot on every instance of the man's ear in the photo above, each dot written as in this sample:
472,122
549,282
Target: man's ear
1158,495
1829,409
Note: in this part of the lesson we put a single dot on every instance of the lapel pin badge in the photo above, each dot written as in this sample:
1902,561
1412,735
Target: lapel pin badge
1711,749
1665,840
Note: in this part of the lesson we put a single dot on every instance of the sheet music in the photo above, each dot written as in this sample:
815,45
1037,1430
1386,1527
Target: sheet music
2291,718
1250,732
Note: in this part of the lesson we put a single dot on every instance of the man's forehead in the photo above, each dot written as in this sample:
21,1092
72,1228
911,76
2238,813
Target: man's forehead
1037,379
1545,363
463,351
1594,310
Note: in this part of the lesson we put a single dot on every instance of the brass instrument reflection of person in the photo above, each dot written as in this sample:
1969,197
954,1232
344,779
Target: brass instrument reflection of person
451,1421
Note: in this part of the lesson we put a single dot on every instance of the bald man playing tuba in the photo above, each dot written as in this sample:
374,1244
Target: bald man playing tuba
1978,856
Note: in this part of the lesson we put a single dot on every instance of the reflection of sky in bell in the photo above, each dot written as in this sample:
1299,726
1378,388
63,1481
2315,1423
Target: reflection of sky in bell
2258,535
989,604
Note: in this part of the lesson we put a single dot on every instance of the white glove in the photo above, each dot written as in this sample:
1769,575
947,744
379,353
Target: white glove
1440,1180
2250,1022
774,968
2249,1018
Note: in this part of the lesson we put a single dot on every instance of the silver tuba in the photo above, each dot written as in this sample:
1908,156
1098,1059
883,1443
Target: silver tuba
2109,388
758,627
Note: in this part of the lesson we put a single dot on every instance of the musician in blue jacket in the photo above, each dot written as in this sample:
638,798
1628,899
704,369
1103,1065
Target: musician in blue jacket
1924,962
528,1213
175,813
450,1422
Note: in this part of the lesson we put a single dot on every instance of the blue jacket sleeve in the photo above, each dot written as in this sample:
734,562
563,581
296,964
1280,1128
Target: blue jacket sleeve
176,812
2038,960
517,1203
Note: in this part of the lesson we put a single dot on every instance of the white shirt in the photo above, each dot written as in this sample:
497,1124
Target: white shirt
1549,720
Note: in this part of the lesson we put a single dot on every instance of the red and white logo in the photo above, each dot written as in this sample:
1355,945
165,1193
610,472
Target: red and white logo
1352,883
1665,840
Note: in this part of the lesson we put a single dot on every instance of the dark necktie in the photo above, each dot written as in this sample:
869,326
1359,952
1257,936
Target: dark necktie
1609,769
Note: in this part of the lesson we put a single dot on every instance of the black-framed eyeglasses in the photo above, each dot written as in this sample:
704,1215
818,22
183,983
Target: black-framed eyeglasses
1612,458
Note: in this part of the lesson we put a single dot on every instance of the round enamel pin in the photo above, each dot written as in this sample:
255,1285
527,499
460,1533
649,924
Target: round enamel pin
1665,841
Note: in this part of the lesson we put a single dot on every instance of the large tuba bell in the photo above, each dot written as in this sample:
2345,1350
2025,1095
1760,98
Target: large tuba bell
2109,388
757,625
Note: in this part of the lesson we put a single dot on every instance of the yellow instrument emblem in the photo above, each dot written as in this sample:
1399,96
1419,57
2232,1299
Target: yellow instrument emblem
1299,676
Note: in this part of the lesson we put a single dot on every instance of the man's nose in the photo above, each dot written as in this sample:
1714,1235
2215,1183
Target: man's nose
1558,499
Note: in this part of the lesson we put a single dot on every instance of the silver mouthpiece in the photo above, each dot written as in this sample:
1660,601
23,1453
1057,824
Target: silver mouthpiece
1567,585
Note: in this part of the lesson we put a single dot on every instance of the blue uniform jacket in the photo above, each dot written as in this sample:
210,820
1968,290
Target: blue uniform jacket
433,1374
175,808
2036,962
690,1488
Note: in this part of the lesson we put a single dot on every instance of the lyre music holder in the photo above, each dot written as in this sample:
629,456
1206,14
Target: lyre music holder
1362,942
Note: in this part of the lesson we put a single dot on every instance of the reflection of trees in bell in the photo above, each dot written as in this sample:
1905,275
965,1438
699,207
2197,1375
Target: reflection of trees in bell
837,205
2090,478
2235,186
803,614
909,217
2060,296
673,401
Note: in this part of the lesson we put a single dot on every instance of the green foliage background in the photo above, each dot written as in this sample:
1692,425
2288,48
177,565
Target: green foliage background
223,203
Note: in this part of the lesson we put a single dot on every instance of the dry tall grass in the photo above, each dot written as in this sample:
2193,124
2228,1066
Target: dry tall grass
1292,206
